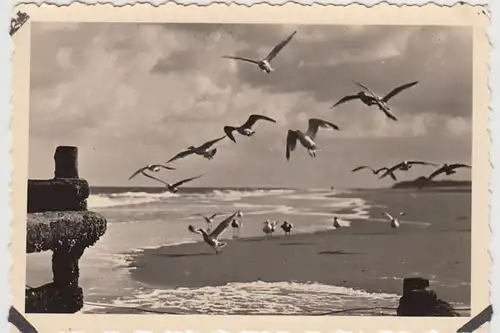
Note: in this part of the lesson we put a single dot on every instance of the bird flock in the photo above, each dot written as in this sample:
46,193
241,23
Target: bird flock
306,138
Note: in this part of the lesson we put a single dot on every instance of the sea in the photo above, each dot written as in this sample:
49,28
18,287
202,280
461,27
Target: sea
149,218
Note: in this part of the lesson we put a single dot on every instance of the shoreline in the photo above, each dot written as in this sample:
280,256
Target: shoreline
344,257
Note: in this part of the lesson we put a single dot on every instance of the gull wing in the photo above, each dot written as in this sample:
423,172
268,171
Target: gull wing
291,143
179,183
459,165
215,214
315,124
365,88
193,230
163,166
389,216
388,113
397,90
436,172
381,169
345,99
229,132
242,59
222,226
253,119
157,179
210,143
422,163
137,172
180,155
274,52
389,172
361,168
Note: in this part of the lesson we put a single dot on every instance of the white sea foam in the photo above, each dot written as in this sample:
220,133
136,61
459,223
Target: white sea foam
233,195
256,298
126,198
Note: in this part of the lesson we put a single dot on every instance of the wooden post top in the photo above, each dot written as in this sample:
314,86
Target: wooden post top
66,162
414,283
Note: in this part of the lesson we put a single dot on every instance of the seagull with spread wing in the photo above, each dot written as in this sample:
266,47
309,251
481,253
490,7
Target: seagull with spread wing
265,63
307,139
369,98
212,238
447,169
404,166
151,167
375,172
209,220
203,150
246,128
394,220
174,188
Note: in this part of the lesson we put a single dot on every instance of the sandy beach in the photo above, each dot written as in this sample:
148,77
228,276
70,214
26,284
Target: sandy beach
368,255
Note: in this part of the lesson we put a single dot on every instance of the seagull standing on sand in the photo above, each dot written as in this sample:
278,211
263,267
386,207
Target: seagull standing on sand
265,63
209,220
307,139
336,223
403,166
447,169
172,187
212,238
246,128
236,225
203,150
151,167
394,220
369,98
269,227
287,227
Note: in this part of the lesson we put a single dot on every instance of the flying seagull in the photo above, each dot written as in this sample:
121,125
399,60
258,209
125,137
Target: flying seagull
375,172
369,98
265,63
172,187
212,237
246,128
203,150
209,220
447,169
394,220
307,139
403,166
151,167
287,227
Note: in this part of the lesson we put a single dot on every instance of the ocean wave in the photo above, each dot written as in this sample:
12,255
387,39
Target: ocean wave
257,298
235,195
126,198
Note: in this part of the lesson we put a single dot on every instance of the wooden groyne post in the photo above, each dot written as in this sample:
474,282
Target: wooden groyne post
419,300
58,221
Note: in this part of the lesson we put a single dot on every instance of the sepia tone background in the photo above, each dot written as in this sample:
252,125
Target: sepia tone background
429,14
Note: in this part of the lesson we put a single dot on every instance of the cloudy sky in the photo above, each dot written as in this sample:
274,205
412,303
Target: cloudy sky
132,94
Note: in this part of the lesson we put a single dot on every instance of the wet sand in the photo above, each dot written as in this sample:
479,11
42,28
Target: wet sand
368,255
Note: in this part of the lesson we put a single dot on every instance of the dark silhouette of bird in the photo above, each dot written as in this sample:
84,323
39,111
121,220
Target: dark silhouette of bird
203,150
246,128
369,98
307,139
265,63
287,227
403,166
447,169
174,188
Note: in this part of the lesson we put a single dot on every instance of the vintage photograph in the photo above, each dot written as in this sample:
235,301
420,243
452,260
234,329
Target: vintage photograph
290,169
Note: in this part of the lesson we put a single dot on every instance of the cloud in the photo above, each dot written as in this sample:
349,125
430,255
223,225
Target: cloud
152,89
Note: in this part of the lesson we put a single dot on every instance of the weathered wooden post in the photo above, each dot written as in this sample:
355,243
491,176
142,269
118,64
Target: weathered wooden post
66,162
58,220
419,301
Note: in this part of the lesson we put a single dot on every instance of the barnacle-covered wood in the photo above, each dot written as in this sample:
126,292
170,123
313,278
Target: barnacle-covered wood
57,195
51,298
63,230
